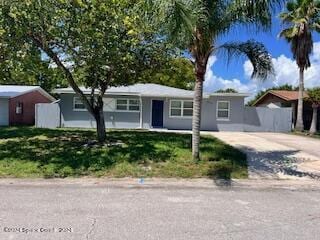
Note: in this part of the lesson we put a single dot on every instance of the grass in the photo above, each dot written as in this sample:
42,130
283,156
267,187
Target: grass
34,152
307,134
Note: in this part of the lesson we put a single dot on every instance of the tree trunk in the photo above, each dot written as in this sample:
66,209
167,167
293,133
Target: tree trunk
196,119
313,128
101,128
299,124
98,115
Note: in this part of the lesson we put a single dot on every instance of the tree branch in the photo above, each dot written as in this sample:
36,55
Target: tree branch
44,46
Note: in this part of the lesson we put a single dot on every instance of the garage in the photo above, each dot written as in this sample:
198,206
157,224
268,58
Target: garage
4,112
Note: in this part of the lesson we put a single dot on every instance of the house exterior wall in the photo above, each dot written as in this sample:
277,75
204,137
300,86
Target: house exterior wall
271,99
115,119
72,118
28,100
4,112
209,120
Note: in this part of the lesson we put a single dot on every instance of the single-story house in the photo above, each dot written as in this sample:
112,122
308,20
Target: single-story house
284,98
17,104
155,106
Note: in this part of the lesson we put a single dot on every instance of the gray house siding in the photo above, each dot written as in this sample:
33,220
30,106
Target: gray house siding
72,118
236,118
209,112
115,119
4,112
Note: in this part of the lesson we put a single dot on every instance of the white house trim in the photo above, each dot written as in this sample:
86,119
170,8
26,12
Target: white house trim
182,107
78,109
217,110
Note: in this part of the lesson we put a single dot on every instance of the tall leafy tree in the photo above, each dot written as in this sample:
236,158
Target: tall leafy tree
176,72
301,18
227,90
314,98
195,25
97,44
28,68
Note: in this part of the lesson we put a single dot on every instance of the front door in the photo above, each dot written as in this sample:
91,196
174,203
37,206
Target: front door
157,113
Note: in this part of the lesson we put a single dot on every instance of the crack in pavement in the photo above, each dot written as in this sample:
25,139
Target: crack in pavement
91,228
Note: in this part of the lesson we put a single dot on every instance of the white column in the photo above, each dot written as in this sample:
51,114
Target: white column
141,117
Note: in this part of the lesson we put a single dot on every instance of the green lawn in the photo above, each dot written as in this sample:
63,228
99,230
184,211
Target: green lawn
32,152
307,134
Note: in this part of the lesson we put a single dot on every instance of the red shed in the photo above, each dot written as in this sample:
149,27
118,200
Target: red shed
17,103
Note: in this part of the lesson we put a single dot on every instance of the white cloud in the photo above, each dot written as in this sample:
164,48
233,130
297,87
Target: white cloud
286,72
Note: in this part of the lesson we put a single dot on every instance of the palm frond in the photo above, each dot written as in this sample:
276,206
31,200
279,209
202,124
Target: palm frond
302,17
255,52
289,33
257,13
178,18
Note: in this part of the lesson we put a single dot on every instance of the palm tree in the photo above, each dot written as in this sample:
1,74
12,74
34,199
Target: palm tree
300,18
195,25
314,97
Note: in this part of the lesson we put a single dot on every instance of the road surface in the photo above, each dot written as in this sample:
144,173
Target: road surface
157,209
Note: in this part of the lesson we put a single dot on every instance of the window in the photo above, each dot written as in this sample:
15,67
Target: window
223,110
19,108
134,105
131,105
78,105
181,108
122,104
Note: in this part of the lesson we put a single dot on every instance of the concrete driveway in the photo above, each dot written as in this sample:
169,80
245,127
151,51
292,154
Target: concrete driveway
276,155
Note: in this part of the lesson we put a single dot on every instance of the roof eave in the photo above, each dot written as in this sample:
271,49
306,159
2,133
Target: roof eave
229,94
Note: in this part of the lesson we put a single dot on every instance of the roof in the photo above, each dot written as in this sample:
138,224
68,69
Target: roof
148,90
283,94
11,91
287,95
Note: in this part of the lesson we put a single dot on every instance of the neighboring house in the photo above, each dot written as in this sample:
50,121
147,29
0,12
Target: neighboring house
17,104
284,98
155,106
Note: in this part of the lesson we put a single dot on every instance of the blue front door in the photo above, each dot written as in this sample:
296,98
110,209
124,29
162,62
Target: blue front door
157,113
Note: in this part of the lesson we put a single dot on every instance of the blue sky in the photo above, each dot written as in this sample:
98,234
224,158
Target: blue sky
235,74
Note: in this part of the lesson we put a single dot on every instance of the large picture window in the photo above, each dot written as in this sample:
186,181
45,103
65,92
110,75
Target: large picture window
78,105
223,110
181,108
131,105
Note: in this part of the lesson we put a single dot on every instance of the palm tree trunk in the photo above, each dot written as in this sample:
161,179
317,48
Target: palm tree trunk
196,120
313,128
299,124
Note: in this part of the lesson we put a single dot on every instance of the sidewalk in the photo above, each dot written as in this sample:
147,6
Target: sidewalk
165,183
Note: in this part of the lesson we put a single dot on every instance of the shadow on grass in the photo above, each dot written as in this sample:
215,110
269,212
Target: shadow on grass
26,151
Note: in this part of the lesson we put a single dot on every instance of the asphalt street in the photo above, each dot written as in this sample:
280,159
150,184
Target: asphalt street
96,209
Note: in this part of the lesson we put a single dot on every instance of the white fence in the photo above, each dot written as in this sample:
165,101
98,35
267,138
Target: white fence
47,115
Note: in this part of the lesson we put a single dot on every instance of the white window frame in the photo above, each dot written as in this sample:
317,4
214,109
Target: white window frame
127,105
181,108
229,112
78,109
19,108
